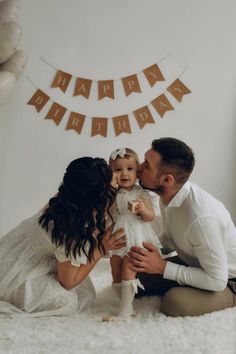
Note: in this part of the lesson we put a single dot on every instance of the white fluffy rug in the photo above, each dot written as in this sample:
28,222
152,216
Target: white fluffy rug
150,332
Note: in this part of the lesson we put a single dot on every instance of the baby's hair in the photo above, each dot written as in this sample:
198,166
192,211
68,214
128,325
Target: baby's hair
128,153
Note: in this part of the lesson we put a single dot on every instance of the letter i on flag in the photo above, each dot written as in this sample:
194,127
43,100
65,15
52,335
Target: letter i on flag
56,113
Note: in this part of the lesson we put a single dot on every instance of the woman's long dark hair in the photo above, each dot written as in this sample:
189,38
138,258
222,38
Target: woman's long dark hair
86,187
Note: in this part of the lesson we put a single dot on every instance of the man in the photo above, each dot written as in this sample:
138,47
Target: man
197,226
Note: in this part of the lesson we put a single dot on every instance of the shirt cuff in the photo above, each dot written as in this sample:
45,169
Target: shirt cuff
170,271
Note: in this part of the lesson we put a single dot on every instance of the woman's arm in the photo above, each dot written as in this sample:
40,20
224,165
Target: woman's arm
70,276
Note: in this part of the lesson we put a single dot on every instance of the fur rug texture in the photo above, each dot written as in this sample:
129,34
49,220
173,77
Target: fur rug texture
149,332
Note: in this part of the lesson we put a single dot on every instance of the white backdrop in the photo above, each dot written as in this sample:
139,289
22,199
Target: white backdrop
109,39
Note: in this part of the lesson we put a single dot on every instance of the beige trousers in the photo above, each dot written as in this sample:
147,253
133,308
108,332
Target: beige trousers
184,300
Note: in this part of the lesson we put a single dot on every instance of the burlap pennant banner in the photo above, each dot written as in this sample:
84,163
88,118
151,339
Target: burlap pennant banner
131,84
61,80
162,105
121,123
153,74
75,122
178,90
39,99
82,87
99,126
56,113
105,88
143,116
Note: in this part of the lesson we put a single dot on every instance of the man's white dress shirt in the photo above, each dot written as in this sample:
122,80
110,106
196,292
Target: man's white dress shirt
199,228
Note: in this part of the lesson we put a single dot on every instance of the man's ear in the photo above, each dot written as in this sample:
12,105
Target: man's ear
167,179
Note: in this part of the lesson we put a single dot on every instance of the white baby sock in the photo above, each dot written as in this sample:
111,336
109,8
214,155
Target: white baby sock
128,290
116,287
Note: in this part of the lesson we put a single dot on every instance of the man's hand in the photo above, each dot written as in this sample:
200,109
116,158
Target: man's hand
146,260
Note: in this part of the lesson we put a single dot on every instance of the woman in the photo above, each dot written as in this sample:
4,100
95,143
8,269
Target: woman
45,261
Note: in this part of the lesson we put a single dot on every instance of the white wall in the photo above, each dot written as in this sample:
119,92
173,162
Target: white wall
109,39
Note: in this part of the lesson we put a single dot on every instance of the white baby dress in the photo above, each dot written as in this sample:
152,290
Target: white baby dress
136,229
28,282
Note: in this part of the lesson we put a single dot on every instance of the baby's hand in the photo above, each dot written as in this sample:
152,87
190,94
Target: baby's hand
140,207
145,209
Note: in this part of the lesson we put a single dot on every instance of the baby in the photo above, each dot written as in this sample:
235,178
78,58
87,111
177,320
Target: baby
133,211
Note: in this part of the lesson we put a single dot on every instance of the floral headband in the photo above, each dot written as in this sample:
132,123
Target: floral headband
120,153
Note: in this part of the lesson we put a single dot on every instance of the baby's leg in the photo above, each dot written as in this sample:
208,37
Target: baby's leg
127,273
116,268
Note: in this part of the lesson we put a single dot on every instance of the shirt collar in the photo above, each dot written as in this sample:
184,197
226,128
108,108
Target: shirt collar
180,196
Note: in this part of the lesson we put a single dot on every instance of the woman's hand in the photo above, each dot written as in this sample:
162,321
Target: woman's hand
114,241
114,180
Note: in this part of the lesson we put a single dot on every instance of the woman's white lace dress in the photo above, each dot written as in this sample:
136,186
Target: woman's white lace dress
28,279
136,229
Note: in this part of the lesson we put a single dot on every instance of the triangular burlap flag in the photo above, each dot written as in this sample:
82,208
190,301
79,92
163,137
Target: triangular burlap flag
56,113
121,124
131,84
178,90
162,105
153,74
105,89
82,87
143,116
61,80
99,126
39,99
75,122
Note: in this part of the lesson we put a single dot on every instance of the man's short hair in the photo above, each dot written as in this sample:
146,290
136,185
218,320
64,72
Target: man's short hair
177,158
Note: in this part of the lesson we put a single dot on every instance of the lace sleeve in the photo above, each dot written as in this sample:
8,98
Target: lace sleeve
61,257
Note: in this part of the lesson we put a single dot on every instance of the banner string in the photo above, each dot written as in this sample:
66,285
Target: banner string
138,73
182,73
91,116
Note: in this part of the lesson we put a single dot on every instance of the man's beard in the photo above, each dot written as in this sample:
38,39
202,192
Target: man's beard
159,189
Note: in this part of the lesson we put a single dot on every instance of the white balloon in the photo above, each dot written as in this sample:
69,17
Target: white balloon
16,63
9,10
10,33
7,82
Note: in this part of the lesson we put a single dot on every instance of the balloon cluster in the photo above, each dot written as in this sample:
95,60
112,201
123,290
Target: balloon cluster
12,61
